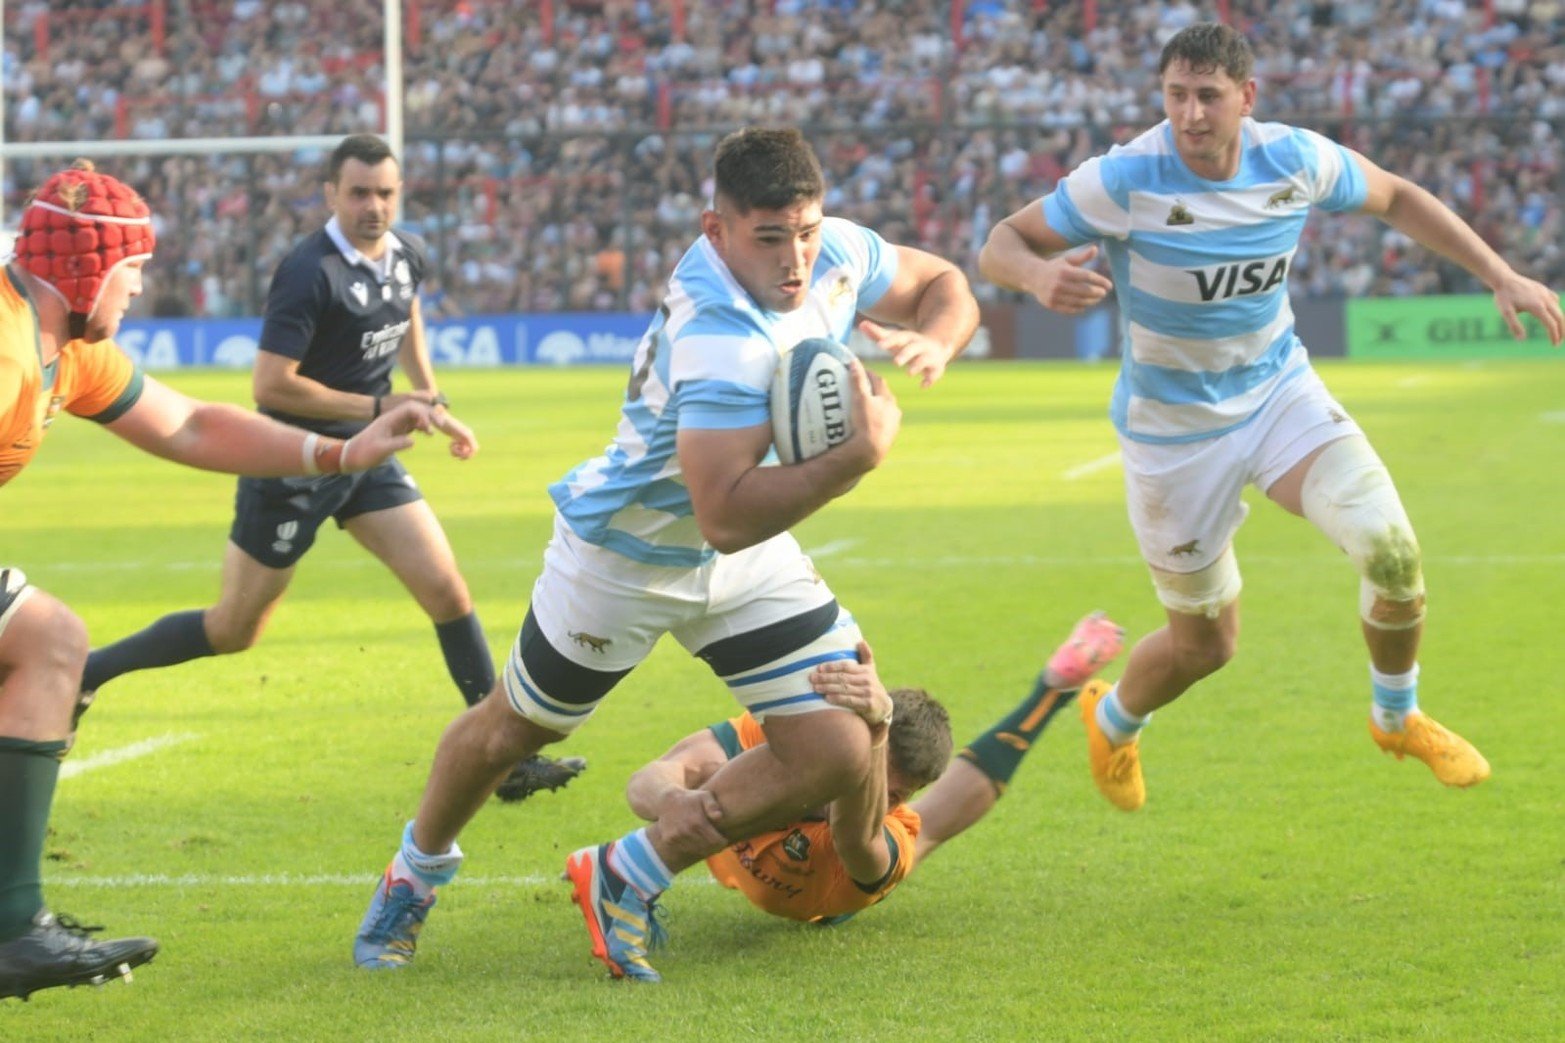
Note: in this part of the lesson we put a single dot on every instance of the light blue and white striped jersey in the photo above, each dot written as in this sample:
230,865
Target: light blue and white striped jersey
1201,270
707,362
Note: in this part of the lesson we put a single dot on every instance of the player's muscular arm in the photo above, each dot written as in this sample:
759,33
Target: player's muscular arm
219,437
858,816
858,823
1417,214
931,299
1024,254
688,764
739,503
1421,217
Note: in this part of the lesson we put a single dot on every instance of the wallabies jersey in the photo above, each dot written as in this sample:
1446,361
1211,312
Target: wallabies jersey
342,316
794,872
706,362
1200,268
89,379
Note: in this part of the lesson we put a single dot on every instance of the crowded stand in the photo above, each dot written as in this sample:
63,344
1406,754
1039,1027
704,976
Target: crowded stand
556,152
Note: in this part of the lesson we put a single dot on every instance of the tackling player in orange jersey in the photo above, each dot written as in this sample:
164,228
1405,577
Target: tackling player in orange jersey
826,866
77,266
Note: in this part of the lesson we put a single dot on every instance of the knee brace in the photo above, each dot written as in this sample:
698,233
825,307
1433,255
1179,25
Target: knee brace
1205,592
1349,496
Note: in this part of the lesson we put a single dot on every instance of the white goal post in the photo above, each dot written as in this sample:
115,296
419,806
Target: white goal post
65,151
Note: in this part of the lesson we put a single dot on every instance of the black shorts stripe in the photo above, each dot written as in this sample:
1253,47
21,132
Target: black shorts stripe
557,677
734,655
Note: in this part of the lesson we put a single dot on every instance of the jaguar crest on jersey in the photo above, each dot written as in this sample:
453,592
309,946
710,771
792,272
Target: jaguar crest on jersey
841,292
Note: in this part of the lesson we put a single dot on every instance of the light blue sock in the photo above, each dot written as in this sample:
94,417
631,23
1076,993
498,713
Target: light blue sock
1119,724
424,872
637,863
1396,696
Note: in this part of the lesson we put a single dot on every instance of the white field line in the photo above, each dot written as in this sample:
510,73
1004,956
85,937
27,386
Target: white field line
1091,467
831,547
1060,561
1557,417
72,768
834,547
365,880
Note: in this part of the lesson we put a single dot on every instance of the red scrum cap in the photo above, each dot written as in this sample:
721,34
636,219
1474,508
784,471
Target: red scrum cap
78,228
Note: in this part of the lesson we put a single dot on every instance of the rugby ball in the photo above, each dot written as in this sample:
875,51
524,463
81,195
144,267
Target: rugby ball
812,399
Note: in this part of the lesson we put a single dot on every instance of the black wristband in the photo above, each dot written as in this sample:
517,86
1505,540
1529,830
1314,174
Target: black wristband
440,400
376,413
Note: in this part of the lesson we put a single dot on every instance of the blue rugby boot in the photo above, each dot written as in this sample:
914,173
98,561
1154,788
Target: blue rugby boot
388,937
623,927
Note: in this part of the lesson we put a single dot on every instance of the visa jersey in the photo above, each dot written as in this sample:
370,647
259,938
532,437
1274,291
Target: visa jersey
794,872
94,379
1200,268
342,316
706,362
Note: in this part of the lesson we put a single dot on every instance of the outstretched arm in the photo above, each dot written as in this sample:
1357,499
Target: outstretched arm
931,300
1417,214
218,437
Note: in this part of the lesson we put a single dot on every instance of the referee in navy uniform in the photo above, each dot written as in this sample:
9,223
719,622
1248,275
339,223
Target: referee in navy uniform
343,306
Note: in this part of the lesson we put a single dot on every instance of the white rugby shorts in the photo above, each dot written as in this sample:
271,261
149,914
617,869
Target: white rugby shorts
1184,498
604,612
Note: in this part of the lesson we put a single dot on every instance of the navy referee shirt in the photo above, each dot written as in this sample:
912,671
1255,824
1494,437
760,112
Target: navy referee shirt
342,316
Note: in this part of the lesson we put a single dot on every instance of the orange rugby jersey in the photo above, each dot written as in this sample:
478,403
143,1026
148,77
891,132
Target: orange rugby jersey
93,380
794,871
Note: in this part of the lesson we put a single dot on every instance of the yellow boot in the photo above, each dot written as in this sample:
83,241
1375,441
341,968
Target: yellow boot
1116,769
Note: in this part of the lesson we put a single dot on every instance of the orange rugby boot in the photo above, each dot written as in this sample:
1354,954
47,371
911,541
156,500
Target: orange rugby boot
1452,758
1116,769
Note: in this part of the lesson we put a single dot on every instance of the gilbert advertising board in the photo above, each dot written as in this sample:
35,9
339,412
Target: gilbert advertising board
1457,327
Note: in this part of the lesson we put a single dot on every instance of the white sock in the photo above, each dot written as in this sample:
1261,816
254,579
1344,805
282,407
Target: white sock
1396,696
424,871
1119,724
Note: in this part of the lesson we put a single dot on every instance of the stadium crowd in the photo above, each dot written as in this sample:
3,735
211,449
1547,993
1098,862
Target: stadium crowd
556,150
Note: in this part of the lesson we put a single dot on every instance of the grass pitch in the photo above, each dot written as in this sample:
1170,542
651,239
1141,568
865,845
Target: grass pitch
1285,880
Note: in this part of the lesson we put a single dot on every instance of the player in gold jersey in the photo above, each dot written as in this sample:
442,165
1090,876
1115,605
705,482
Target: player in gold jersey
828,865
77,266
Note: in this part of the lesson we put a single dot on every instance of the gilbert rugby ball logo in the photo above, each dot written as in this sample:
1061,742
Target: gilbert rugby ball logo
834,411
